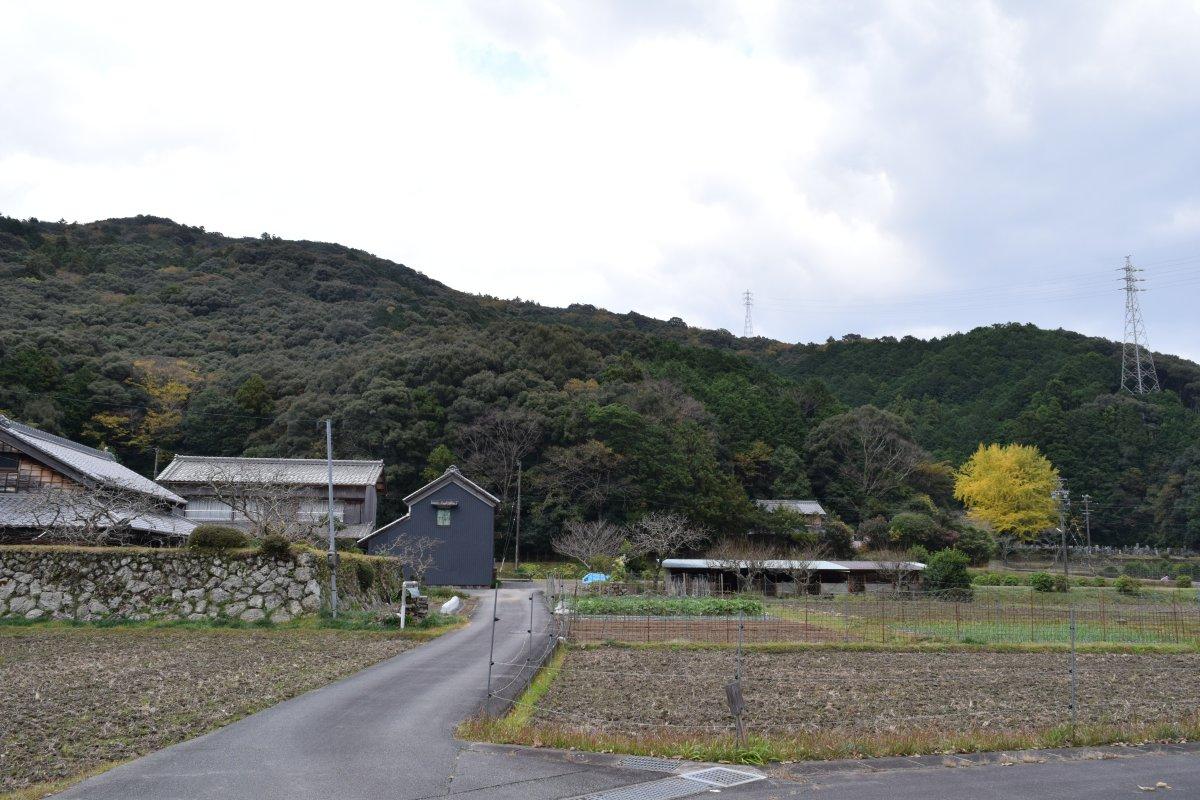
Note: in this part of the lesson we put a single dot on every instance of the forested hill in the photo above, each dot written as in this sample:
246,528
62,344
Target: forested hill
141,334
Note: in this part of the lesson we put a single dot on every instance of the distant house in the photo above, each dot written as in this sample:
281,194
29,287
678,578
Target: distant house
53,488
814,515
459,517
255,493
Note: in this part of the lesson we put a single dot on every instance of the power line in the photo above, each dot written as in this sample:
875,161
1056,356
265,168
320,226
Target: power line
1138,375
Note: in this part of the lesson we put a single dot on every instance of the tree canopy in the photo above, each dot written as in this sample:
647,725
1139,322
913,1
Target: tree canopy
145,336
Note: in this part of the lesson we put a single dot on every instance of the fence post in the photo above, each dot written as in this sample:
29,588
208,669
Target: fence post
529,651
1175,616
1032,635
806,614
957,621
1103,619
737,675
1074,678
846,615
492,644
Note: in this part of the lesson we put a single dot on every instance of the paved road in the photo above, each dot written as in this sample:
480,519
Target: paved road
386,732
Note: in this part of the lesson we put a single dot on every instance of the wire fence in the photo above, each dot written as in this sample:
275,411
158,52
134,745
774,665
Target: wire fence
821,701
999,617
508,680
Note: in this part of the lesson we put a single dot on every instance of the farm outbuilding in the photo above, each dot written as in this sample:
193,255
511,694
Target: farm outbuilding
459,516
786,577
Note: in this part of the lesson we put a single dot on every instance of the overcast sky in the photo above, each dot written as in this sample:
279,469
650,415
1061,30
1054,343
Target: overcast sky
877,168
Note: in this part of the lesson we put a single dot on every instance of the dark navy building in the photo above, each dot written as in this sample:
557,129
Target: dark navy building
460,516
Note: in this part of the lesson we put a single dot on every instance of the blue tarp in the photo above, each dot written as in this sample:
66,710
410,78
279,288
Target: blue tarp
595,577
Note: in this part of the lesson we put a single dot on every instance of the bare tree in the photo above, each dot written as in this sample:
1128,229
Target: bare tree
870,449
587,541
587,475
496,443
895,568
802,566
748,560
104,514
268,502
417,554
661,534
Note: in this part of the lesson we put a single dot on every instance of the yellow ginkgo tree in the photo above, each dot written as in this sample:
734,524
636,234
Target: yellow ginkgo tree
1008,486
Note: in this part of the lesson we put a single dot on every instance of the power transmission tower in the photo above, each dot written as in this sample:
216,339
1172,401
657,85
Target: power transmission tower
748,328
1137,365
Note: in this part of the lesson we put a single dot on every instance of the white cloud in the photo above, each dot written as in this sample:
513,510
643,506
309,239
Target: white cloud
661,158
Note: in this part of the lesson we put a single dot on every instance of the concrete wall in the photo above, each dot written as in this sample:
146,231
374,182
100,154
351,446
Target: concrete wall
141,583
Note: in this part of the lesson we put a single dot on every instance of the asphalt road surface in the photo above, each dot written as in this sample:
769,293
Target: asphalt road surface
386,733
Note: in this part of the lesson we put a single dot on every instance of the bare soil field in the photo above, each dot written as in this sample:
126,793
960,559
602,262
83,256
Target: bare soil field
77,698
633,691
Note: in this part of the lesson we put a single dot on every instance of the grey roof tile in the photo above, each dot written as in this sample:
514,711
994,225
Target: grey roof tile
295,471
95,464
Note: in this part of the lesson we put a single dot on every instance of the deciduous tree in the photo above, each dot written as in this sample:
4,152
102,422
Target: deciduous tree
1008,487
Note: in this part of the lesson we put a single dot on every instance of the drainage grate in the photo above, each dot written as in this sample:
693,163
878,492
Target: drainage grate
665,789
649,763
722,776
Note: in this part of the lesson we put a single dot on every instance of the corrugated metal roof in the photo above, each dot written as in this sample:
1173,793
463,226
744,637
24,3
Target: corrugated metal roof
869,566
798,506
19,511
771,564
88,461
293,471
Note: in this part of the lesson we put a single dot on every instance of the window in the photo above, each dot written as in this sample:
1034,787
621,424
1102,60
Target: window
443,517
9,462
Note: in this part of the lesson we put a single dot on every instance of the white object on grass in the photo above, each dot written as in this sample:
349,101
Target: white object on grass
451,606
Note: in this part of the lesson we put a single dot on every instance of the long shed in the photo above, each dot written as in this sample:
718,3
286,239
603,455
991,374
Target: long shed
460,517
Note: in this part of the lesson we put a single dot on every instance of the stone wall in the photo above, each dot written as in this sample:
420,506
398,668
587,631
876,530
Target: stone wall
136,583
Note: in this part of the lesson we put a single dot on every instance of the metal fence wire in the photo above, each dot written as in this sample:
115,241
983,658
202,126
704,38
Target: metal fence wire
882,617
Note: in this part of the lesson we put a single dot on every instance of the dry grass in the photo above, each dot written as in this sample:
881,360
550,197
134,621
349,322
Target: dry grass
76,699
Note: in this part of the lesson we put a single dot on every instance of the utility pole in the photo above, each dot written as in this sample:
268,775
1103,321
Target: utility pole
748,327
1138,375
155,475
1087,518
333,556
517,536
1063,498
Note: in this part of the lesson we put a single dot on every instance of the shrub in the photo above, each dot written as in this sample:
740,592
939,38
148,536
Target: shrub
947,572
837,539
1041,582
910,528
986,578
1184,582
874,533
275,546
217,537
668,606
918,553
977,544
1127,585
1061,584
365,572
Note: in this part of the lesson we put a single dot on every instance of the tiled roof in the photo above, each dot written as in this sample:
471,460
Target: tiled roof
94,464
293,471
19,511
870,566
799,506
